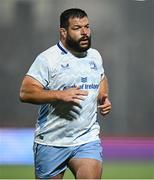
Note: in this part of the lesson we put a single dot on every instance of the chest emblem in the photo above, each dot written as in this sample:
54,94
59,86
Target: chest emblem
93,65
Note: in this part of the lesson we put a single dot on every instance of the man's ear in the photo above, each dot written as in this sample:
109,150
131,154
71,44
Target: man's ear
63,33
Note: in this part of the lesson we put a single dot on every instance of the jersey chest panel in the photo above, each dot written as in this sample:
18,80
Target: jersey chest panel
70,73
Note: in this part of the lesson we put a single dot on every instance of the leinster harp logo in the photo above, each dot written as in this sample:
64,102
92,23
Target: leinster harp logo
93,65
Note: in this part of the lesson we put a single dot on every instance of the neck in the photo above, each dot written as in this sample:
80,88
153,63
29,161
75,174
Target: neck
75,53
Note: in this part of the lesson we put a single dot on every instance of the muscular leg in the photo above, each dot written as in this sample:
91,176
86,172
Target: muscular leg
84,168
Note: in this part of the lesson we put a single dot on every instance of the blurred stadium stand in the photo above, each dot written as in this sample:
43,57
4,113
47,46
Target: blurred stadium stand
16,147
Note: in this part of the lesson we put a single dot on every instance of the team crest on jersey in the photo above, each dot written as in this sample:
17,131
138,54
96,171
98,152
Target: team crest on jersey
84,79
93,65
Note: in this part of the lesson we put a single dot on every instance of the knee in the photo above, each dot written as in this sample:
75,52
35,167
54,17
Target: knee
85,173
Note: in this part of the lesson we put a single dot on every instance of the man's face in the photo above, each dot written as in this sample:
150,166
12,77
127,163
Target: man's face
78,34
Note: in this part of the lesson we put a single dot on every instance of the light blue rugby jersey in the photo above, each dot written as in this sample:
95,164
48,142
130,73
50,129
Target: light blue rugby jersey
60,123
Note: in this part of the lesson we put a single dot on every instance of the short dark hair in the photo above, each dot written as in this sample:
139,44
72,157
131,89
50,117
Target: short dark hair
71,13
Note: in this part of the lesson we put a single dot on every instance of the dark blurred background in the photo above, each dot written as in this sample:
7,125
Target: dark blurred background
123,32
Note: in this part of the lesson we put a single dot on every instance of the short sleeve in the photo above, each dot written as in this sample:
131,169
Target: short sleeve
39,70
101,68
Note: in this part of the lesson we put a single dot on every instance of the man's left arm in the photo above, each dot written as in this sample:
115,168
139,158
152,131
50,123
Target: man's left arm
103,97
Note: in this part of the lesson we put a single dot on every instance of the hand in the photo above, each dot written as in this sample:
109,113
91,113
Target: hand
73,95
105,105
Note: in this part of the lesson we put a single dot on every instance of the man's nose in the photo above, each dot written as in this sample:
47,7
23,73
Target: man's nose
84,31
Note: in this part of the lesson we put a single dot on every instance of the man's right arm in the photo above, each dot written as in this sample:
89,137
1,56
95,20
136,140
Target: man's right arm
32,91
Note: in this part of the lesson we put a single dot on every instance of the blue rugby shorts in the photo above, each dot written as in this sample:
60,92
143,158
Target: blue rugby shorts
52,160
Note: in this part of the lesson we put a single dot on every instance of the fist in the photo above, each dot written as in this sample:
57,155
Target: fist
105,105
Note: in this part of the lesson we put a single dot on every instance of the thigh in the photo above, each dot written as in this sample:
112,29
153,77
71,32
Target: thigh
85,168
50,161
87,161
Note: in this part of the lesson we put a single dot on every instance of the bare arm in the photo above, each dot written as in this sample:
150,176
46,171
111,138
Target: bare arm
103,97
104,88
32,91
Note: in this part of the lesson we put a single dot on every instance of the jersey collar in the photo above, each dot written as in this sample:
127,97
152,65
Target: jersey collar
61,47
64,50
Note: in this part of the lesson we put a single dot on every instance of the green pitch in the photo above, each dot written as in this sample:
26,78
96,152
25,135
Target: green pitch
112,170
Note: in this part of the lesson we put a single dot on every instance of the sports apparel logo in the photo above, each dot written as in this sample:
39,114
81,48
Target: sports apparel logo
66,66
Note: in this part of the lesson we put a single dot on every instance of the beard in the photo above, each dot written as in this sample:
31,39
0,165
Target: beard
75,44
